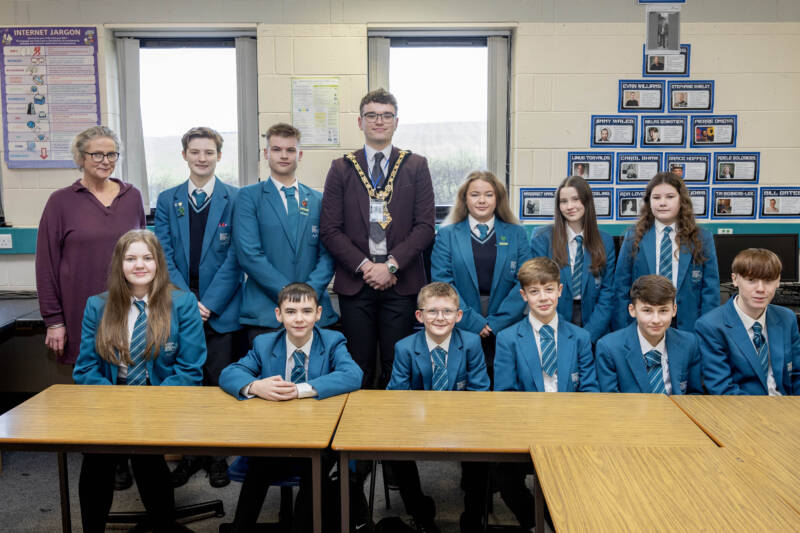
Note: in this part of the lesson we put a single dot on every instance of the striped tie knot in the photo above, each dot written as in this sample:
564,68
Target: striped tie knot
652,360
548,344
137,371
439,368
665,255
577,267
483,231
760,342
200,197
299,368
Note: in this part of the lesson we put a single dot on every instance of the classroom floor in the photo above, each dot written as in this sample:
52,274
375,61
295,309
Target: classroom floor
30,498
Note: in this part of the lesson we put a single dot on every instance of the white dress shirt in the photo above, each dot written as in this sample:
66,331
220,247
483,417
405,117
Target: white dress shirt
208,188
133,314
645,345
572,246
444,345
747,321
550,382
278,185
473,225
675,256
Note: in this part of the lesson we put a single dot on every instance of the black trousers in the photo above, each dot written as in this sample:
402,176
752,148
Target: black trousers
263,472
223,349
516,495
488,344
96,490
376,319
421,507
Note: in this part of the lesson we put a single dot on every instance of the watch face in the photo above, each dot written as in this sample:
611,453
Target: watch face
392,268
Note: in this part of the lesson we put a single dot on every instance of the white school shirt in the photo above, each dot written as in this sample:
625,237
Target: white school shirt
645,345
772,387
445,345
675,256
550,382
473,225
278,185
208,188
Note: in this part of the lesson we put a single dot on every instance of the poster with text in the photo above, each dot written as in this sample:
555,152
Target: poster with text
736,167
734,203
594,167
613,130
50,92
315,110
667,65
692,167
536,203
603,202
692,96
713,131
779,202
629,201
640,95
637,168
699,197
659,131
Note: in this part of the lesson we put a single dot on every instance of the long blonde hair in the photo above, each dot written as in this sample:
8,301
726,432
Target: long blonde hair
112,341
502,209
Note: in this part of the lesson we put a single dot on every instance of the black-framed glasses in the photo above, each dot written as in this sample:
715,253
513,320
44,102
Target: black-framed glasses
373,117
434,313
98,157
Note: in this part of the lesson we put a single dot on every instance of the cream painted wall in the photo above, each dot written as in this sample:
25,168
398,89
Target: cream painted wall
562,72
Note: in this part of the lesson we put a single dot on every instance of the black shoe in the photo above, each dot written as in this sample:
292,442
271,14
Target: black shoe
218,473
185,469
122,477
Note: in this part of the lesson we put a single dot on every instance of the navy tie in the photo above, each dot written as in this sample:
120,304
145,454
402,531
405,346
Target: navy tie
652,360
376,233
547,341
761,348
439,369
577,268
137,371
665,257
200,198
299,368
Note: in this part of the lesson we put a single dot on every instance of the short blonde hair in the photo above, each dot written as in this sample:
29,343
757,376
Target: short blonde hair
437,289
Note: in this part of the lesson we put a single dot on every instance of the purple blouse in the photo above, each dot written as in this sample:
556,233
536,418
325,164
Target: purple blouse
76,238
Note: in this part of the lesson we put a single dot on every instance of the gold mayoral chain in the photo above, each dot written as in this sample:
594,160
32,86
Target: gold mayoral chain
385,195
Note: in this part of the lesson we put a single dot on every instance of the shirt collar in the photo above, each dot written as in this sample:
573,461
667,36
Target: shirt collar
306,348
473,223
445,344
278,185
370,153
746,319
571,233
208,188
133,299
660,228
645,345
537,324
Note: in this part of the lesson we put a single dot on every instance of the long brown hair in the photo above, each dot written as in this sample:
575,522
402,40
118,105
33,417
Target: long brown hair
112,341
687,233
591,235
502,210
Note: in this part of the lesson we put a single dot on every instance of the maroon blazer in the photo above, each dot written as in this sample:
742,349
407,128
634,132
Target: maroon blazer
344,221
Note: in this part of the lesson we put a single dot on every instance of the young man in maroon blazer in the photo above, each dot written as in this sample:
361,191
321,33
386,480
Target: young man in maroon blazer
377,219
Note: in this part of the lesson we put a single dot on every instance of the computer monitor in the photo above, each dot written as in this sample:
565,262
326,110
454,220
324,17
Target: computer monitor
785,246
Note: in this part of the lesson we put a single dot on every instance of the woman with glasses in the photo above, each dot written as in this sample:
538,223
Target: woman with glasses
79,227
479,250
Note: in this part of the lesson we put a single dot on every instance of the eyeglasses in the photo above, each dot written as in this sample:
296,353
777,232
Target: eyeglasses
434,313
98,157
373,117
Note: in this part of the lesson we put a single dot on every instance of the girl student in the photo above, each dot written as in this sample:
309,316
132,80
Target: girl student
479,250
142,331
666,241
585,255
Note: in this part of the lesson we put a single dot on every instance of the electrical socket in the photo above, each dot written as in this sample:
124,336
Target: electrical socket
5,241
725,231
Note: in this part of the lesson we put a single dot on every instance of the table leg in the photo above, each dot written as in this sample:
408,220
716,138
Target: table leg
63,483
344,485
316,484
538,504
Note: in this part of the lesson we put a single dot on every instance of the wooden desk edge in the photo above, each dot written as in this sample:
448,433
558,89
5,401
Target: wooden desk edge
697,423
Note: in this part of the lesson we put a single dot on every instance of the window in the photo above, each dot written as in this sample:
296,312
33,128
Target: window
183,87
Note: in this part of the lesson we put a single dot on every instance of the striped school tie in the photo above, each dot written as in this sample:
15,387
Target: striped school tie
761,348
577,268
439,369
200,198
299,368
652,360
547,341
483,230
137,371
665,256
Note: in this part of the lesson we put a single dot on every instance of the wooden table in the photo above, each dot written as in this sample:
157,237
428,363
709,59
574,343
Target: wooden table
155,420
610,489
499,426
766,429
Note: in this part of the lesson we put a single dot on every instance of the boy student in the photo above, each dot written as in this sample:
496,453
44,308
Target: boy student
747,345
194,224
440,357
542,353
299,361
648,355
277,236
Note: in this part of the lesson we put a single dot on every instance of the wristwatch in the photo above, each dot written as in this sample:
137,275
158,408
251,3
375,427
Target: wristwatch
391,266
